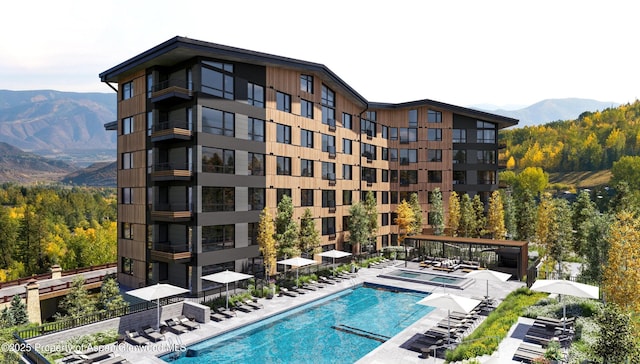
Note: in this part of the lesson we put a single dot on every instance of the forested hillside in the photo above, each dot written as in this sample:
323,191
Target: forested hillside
592,142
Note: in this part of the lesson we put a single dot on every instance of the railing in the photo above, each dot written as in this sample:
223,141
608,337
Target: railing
173,207
171,248
42,276
165,125
167,166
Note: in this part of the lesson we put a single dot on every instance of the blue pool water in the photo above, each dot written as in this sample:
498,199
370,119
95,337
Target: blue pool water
341,328
425,277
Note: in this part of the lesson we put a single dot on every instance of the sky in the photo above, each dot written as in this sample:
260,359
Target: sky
468,52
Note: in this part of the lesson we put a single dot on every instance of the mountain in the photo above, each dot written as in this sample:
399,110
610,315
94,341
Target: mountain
552,110
102,174
63,125
22,167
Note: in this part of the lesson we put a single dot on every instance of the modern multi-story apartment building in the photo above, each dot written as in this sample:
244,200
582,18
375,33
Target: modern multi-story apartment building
208,135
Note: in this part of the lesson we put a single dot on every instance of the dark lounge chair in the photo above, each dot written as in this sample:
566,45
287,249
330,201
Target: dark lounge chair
151,333
286,292
191,325
176,327
217,316
254,305
133,337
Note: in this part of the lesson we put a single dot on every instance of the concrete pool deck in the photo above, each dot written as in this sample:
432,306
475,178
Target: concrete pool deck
390,351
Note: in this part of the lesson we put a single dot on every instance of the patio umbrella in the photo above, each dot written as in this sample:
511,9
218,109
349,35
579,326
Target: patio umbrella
450,302
297,262
156,292
560,286
226,277
488,275
334,254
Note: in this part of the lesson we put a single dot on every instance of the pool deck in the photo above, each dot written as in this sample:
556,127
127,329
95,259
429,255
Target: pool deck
388,352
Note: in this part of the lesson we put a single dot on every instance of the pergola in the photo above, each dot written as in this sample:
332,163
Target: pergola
508,256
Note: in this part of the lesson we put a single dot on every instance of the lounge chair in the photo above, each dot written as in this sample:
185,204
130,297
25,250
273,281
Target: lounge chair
240,306
326,280
528,353
217,316
252,304
226,312
286,292
316,284
191,325
135,338
309,287
151,333
176,327
92,355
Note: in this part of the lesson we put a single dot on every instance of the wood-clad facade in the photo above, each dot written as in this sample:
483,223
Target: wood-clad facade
208,135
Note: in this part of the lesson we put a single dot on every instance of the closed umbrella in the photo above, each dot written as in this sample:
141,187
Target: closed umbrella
156,292
226,277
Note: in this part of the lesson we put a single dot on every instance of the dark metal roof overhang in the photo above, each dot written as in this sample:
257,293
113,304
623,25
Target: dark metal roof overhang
180,49
501,121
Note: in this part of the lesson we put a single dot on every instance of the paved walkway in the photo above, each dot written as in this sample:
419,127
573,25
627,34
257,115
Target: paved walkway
389,352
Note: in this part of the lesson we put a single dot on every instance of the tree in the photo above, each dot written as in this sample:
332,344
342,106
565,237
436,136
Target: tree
495,217
15,314
616,341
621,281
479,217
467,226
8,237
309,242
510,217
532,179
454,213
286,229
561,232
584,211
437,212
544,223
416,226
597,248
371,210
527,213
110,297
77,302
627,169
267,242
359,232
404,220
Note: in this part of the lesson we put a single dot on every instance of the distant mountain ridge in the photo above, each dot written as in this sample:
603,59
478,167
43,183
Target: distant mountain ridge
68,125
550,110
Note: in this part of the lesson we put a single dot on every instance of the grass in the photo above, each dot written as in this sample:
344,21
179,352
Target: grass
577,180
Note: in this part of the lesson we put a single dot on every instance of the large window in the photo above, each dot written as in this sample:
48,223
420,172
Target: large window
459,177
347,197
283,134
413,118
486,177
408,156
328,101
368,151
306,108
283,102
283,166
408,177
347,172
306,83
329,171
218,122
434,176
328,143
459,156
218,237
255,95
306,138
328,225
368,127
256,164
127,160
126,230
486,132
281,192
256,129
328,198
486,156
127,90
219,81
218,199
346,121
306,197
217,160
434,135
127,195
369,174
306,168
346,146
127,265
256,198
408,135
459,135
434,116
434,155
127,126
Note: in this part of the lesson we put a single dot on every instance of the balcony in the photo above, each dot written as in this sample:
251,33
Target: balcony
174,212
332,179
171,130
170,253
171,172
170,91
332,151
332,124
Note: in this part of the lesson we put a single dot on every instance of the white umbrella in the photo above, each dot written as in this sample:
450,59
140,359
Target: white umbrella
297,262
488,275
334,254
156,292
560,286
450,302
226,277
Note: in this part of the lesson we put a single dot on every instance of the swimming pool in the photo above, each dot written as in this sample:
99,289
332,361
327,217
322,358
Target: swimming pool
428,278
341,328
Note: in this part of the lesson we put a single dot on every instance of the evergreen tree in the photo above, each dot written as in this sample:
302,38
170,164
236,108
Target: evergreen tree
597,248
371,210
18,311
77,302
8,237
561,234
527,213
309,236
110,297
414,203
510,217
454,213
286,229
359,232
267,242
437,212
467,226
584,211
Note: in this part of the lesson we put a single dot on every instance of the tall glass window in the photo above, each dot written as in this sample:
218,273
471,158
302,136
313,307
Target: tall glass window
306,83
283,134
256,164
283,166
219,81
328,101
413,118
218,122
306,108
306,168
283,102
256,129
255,95
434,116
306,138
217,160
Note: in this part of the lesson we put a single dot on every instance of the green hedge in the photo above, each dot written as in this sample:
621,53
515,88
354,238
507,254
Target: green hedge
486,337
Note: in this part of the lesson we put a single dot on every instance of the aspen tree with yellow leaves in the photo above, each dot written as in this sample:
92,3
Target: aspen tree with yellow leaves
266,241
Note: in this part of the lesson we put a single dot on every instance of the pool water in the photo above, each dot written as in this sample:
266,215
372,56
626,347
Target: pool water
341,328
424,277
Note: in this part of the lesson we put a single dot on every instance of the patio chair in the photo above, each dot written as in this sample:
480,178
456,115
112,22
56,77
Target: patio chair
528,353
151,333
308,287
316,284
253,304
185,321
240,306
91,355
286,292
133,337
217,316
176,327
226,312
326,280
